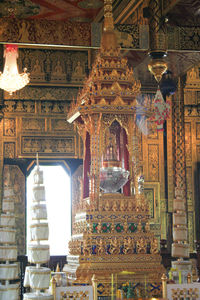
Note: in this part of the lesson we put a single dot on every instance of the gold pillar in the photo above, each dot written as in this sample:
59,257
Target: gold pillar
164,286
94,284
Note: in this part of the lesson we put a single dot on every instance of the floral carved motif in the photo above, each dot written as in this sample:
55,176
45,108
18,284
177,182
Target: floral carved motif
153,162
9,150
9,127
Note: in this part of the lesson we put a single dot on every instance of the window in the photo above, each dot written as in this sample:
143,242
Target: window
57,184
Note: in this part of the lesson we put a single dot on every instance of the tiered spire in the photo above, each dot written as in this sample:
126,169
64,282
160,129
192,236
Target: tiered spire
8,249
111,230
37,277
111,82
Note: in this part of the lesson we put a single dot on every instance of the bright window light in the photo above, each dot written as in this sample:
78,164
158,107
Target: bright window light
58,199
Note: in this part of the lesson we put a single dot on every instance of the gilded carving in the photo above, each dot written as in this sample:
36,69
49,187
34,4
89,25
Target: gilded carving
188,142
61,125
37,71
33,124
9,150
19,106
47,31
197,131
128,35
58,70
59,67
153,132
51,145
47,93
191,111
198,152
78,73
153,163
183,37
54,107
9,127
189,38
189,186
154,246
149,195
9,106
191,231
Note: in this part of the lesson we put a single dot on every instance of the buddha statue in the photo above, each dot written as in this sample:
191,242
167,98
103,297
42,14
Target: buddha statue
37,73
78,73
58,74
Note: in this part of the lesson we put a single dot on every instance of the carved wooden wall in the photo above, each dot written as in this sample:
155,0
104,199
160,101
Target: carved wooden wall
35,117
153,170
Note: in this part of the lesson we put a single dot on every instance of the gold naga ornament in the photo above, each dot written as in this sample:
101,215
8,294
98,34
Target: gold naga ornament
111,231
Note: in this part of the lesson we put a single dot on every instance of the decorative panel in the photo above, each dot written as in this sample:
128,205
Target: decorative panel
19,106
197,131
18,182
153,132
189,186
189,98
9,150
189,38
33,124
149,196
49,145
191,237
140,150
61,125
128,35
44,93
48,31
9,128
188,142
54,107
153,163
198,153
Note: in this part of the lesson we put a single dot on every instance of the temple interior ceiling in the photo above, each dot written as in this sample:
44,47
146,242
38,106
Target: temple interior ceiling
185,12
68,10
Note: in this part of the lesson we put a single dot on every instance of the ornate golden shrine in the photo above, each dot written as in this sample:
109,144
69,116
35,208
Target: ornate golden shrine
111,230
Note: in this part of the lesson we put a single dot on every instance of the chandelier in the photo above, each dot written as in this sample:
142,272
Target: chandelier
10,79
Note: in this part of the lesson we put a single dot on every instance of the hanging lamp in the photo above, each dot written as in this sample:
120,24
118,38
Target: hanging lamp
10,79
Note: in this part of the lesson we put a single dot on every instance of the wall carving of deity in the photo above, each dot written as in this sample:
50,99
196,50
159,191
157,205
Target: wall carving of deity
47,31
35,116
56,67
17,179
130,35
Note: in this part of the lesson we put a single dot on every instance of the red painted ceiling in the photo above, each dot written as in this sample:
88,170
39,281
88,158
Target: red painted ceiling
68,10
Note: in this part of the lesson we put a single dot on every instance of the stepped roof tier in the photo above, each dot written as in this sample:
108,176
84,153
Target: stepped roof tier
111,85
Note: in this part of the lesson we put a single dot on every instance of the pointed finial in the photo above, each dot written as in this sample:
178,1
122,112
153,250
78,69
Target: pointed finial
109,39
37,160
108,16
57,268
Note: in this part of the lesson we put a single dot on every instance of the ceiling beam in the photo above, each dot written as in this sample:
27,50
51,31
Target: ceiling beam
169,6
129,9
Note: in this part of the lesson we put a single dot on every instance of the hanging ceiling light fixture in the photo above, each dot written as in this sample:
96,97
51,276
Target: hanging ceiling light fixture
10,79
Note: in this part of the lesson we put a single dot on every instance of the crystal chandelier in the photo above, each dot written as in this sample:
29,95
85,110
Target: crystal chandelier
10,79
